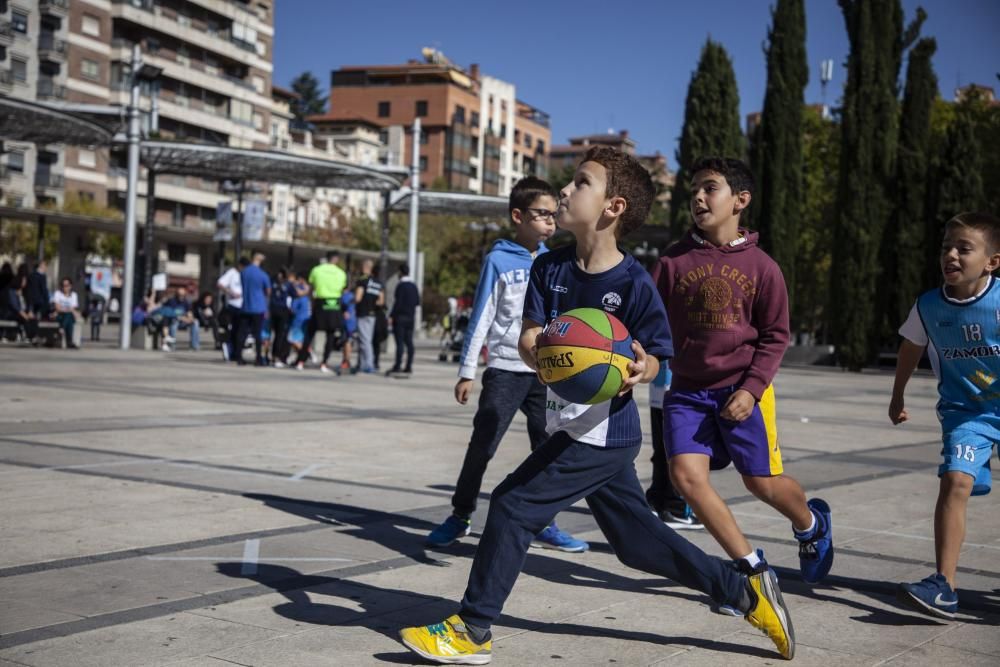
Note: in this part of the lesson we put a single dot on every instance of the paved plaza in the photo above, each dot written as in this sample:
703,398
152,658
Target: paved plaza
164,509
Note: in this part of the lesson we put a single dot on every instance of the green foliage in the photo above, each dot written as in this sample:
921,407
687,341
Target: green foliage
310,101
777,155
813,258
711,125
867,169
904,243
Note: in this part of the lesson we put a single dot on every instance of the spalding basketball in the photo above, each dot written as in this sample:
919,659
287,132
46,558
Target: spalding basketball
583,355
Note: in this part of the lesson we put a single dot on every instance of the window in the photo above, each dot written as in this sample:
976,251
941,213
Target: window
90,69
152,45
421,108
15,161
383,137
517,136
424,137
423,163
86,158
258,121
90,25
527,140
176,252
383,109
19,21
19,68
459,114
258,83
503,130
474,119
240,111
540,146
473,171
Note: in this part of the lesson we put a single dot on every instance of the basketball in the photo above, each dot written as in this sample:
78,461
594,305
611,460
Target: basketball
583,355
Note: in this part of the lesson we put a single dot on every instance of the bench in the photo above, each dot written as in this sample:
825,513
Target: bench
10,330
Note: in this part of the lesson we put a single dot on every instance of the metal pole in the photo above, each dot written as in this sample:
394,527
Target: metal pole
40,246
238,223
383,262
411,255
147,235
133,180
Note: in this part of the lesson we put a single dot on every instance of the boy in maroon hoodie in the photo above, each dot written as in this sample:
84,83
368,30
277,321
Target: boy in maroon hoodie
728,309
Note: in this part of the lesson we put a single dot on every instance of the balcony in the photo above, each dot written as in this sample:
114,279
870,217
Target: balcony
6,79
45,180
50,48
55,7
50,90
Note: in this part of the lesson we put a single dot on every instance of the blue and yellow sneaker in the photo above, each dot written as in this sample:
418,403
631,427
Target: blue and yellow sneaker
933,595
553,538
448,532
446,643
768,612
816,553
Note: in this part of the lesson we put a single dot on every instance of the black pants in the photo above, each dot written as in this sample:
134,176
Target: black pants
231,316
330,322
249,323
504,393
661,494
280,319
402,331
552,478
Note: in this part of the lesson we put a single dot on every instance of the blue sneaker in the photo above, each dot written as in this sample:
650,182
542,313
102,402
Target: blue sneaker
448,532
934,596
816,554
553,538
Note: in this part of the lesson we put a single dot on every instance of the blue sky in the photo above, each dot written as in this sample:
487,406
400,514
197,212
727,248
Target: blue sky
595,65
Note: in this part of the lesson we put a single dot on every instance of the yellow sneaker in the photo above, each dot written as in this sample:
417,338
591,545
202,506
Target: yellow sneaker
769,614
447,643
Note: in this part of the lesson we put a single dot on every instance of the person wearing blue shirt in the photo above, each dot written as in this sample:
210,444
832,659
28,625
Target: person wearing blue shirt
256,295
957,324
301,312
591,449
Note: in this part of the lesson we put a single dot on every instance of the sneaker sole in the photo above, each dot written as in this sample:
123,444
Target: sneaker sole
568,550
676,525
906,596
449,660
726,610
773,594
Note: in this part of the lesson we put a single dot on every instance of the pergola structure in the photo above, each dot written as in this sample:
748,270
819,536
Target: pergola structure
21,120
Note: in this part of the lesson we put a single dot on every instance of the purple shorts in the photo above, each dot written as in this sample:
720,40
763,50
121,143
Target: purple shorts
691,425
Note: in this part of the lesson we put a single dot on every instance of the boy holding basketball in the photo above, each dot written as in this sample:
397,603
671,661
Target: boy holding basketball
508,384
728,305
590,452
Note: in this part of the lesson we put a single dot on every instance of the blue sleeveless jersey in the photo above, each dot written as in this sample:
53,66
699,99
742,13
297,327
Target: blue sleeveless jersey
964,347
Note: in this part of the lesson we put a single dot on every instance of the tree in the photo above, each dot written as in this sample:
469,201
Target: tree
869,134
957,180
904,243
711,125
777,155
309,101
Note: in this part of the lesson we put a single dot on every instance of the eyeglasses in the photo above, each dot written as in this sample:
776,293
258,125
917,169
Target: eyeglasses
541,213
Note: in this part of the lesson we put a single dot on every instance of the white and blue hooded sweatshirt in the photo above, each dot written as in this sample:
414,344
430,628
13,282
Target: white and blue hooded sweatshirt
497,310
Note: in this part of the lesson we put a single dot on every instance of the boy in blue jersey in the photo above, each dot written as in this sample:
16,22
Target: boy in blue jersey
591,449
959,326
508,384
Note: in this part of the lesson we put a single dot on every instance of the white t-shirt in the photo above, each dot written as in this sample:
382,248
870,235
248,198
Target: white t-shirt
63,302
232,283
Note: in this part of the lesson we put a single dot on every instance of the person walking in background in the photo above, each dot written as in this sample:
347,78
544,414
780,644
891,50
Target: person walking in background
403,318
256,295
369,295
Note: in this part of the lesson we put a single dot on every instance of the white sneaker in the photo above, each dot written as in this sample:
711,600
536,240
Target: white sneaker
313,357
278,364
325,369
300,366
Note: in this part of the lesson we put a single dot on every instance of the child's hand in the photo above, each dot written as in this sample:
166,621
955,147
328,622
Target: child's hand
739,406
897,413
636,369
463,389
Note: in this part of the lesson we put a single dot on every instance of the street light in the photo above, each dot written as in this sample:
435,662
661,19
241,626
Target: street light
137,72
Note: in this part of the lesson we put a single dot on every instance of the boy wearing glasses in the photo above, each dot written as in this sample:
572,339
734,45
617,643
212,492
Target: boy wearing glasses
508,384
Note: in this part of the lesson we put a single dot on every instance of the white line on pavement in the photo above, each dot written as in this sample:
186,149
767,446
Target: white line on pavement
305,472
251,551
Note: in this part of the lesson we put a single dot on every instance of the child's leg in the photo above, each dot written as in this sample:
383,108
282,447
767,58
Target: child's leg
642,541
552,478
502,395
949,521
783,494
661,494
690,477
533,407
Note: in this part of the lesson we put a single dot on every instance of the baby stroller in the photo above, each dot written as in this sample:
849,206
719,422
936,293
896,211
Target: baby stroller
455,323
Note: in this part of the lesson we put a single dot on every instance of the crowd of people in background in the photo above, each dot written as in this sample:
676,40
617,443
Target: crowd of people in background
25,301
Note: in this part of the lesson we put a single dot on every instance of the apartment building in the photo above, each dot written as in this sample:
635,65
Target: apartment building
477,136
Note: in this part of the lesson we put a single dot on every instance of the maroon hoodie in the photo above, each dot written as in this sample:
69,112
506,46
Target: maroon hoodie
728,311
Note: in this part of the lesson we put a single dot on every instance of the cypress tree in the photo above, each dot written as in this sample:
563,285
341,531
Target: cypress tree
310,102
711,125
867,167
904,243
777,155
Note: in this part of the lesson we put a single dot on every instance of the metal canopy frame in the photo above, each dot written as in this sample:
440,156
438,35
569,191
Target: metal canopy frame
452,203
220,163
21,120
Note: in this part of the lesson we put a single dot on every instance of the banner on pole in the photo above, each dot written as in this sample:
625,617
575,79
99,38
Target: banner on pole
223,221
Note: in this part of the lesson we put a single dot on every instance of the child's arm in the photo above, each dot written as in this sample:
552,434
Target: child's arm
644,369
906,363
527,344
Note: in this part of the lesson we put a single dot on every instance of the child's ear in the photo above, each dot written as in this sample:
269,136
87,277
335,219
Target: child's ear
616,207
994,262
517,216
742,201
